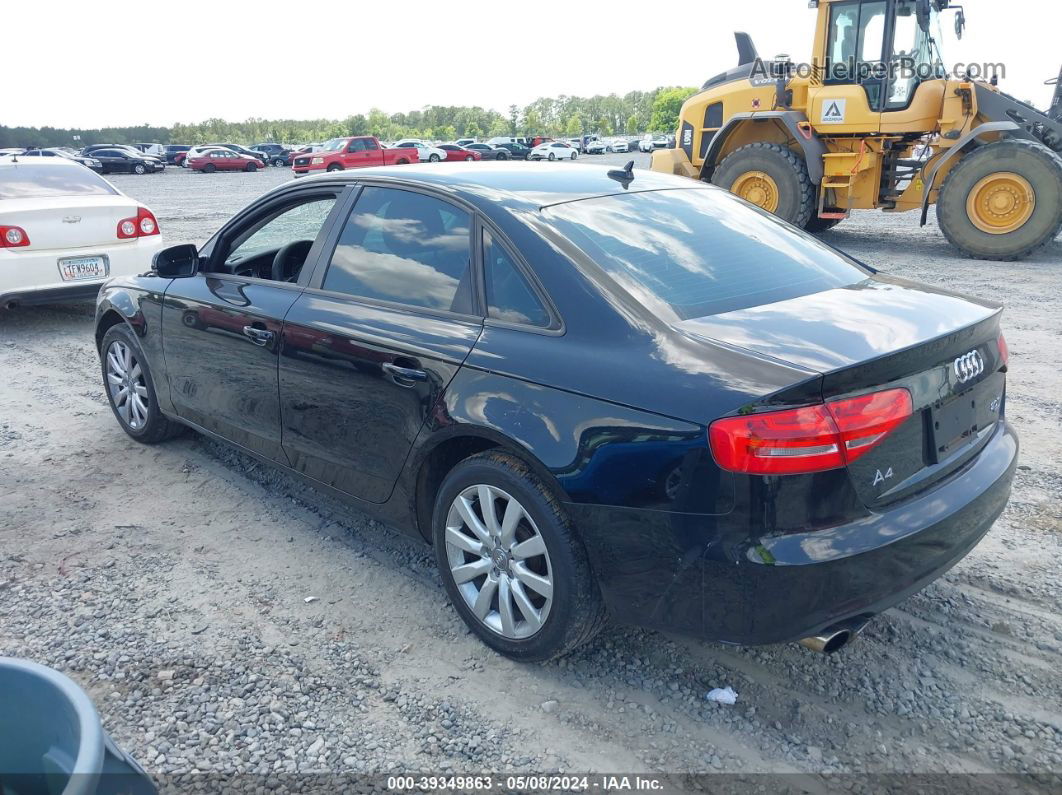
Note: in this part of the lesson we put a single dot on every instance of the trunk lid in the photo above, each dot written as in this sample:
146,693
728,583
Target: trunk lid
880,334
69,221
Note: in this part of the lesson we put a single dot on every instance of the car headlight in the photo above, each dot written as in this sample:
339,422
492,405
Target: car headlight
317,161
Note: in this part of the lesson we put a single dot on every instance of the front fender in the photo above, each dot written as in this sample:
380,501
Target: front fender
137,302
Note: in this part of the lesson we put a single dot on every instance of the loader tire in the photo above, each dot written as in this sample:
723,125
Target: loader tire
1003,201
772,177
816,224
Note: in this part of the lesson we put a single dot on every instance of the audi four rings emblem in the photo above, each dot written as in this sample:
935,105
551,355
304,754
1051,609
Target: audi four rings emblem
969,365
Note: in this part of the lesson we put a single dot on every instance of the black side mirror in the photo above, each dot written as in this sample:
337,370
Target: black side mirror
177,262
960,22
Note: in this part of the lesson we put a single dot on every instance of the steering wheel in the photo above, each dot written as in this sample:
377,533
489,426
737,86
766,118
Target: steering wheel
280,272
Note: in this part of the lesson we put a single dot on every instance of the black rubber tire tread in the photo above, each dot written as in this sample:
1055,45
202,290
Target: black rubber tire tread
1032,160
816,224
790,172
572,622
158,427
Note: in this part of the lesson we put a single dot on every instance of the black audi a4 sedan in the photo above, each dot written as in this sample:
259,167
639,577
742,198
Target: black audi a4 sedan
593,392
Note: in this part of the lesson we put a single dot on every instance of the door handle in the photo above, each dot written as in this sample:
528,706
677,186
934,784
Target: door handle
259,336
404,376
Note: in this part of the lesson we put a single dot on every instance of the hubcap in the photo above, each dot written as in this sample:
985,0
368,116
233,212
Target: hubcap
1001,203
126,386
499,562
758,188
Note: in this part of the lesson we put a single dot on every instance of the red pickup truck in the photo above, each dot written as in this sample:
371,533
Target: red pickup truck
356,152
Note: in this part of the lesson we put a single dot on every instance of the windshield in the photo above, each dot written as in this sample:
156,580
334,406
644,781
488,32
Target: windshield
334,145
694,252
39,180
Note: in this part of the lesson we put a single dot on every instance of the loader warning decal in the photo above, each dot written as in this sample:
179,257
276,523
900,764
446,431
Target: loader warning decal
833,111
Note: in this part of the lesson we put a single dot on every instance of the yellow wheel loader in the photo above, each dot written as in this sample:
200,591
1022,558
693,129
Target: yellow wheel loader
874,121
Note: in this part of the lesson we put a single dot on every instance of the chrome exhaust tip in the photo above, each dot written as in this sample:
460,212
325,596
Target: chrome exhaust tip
834,638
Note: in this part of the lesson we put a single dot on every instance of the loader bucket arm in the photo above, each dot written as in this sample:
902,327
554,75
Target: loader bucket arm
1033,124
1055,111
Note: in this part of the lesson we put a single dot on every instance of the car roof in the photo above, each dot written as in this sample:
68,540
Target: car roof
515,184
50,162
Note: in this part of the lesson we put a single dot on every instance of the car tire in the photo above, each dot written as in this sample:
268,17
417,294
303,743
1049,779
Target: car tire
279,162
551,602
773,177
334,167
574,155
139,168
433,158
209,168
250,167
1027,170
502,156
552,156
469,159
137,412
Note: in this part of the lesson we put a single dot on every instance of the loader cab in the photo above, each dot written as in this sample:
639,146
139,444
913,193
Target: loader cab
875,54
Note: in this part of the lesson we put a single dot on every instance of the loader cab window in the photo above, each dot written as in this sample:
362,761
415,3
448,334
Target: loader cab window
916,54
855,48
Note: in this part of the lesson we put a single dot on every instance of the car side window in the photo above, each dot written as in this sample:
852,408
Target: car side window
509,295
405,247
255,247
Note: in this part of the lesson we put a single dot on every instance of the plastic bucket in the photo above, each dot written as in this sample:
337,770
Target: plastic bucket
52,741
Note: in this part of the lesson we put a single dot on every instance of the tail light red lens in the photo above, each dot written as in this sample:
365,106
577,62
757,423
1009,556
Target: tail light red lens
1004,351
143,225
808,439
13,237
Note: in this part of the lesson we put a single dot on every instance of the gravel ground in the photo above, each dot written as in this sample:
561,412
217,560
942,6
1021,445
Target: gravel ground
172,582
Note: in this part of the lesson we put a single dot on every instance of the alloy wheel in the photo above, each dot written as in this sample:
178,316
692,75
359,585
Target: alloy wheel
126,385
499,561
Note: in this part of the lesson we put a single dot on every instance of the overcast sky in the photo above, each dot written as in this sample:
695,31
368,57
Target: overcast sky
78,65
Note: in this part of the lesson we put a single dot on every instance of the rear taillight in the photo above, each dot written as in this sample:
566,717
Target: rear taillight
143,225
1004,351
809,439
13,237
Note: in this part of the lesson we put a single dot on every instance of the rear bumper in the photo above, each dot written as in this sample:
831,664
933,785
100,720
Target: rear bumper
77,291
711,577
32,276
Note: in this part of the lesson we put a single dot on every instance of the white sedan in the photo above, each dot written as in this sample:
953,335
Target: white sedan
620,145
552,150
425,152
65,230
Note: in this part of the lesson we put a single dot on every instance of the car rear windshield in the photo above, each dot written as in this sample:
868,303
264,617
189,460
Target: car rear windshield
695,252
39,180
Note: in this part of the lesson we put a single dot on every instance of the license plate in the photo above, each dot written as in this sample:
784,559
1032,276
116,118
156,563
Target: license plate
73,269
961,420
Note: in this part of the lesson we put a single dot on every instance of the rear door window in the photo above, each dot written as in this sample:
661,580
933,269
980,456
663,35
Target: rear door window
404,247
700,251
28,180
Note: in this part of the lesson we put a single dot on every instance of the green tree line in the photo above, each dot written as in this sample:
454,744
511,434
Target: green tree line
633,113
